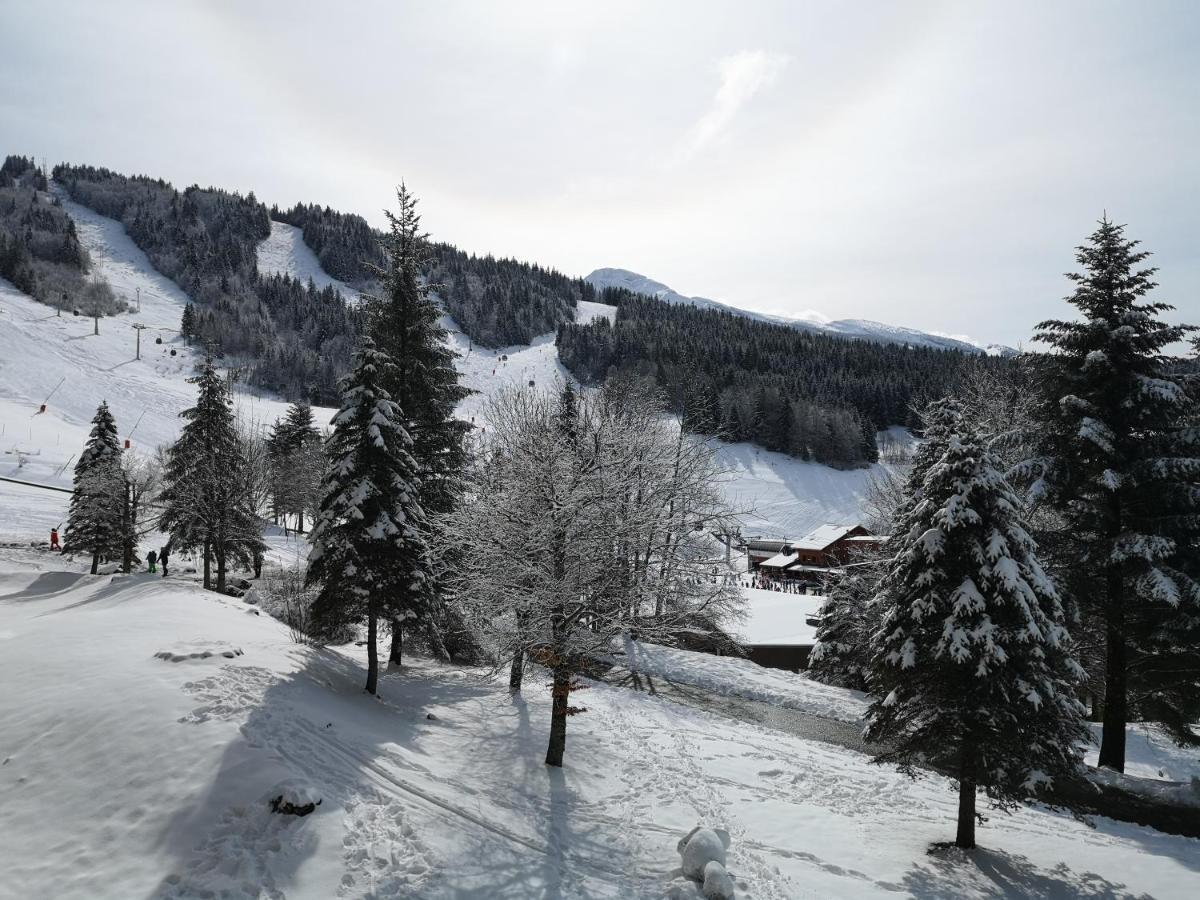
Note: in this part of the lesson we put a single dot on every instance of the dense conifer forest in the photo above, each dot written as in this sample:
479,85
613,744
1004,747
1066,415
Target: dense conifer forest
40,252
496,302
295,339
810,395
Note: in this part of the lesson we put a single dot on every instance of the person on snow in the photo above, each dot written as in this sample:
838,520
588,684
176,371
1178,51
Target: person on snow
163,553
150,558
54,545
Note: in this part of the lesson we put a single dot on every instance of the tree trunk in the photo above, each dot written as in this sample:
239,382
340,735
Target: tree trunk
127,528
300,522
220,554
207,565
966,814
1116,700
517,672
561,695
372,649
95,561
396,654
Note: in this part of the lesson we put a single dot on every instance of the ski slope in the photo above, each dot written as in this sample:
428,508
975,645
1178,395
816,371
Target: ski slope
39,350
285,253
781,496
138,759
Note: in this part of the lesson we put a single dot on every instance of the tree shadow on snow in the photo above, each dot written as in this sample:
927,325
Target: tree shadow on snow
365,757
950,873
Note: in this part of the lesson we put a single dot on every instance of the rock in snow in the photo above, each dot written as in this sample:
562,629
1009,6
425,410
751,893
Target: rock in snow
293,798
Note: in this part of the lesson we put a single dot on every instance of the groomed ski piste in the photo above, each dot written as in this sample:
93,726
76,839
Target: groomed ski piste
148,724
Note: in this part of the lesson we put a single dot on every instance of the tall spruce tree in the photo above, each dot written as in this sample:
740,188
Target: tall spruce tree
208,495
369,557
1116,454
403,322
96,522
971,668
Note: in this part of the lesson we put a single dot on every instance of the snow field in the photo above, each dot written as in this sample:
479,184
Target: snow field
158,775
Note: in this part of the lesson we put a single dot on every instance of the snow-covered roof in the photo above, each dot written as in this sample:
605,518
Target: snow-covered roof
779,561
822,536
778,619
868,538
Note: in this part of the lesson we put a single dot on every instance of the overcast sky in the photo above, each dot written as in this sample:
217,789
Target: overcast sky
930,165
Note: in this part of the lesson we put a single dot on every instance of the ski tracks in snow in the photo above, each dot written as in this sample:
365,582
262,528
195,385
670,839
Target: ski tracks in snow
382,855
671,775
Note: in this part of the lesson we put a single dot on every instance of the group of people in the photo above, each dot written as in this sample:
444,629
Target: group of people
153,559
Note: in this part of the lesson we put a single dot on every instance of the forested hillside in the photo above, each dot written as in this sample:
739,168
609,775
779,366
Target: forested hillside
496,302
810,395
296,339
39,250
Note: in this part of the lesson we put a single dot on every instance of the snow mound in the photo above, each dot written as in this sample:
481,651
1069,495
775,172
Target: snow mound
732,677
700,847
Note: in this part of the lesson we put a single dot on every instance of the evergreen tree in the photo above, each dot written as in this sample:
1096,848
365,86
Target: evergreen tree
187,324
422,381
369,556
841,655
95,523
971,668
1116,457
209,493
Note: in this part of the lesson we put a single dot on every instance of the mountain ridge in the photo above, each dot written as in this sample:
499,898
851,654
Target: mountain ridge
858,329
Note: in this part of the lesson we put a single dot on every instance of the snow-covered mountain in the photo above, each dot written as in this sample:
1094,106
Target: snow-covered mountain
859,329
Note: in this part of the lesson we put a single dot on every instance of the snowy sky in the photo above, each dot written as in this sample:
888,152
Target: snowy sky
923,164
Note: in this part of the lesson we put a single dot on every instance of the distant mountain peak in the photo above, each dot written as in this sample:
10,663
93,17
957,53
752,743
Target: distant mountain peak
860,329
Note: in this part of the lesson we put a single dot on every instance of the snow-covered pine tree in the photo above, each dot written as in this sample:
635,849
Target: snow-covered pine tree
1116,454
404,323
971,668
209,491
369,556
848,619
95,523
293,450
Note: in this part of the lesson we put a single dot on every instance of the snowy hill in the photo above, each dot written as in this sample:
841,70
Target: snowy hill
148,725
783,496
861,329
40,351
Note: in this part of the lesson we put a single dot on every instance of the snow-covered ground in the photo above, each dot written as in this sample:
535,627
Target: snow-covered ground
129,775
778,619
733,677
284,252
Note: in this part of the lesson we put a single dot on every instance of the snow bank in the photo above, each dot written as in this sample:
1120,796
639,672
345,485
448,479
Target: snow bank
733,677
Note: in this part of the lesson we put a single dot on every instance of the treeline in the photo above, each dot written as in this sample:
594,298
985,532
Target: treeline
295,338
809,395
496,302
40,252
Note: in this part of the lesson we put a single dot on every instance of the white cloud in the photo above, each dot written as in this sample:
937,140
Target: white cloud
743,75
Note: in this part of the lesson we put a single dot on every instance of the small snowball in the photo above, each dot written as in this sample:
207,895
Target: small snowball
718,885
